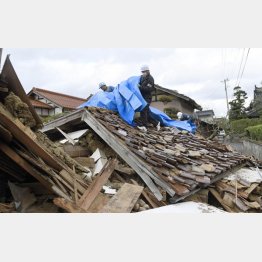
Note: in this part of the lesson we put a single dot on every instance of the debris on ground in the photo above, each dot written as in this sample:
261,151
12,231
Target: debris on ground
240,192
90,160
171,165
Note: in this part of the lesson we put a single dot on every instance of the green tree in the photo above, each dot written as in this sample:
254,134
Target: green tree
237,105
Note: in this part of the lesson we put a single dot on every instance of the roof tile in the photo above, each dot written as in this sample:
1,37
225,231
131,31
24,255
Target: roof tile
63,100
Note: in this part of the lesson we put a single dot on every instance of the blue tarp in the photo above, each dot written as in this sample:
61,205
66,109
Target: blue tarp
126,99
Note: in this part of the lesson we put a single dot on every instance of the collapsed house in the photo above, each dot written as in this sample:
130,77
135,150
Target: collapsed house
171,164
92,161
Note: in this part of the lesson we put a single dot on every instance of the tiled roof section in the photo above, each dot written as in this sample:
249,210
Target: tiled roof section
183,160
205,113
184,97
40,104
63,100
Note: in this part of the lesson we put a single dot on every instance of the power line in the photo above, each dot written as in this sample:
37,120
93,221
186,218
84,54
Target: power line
244,66
236,65
233,70
240,66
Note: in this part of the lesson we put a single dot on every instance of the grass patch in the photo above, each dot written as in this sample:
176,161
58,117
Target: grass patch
240,126
255,132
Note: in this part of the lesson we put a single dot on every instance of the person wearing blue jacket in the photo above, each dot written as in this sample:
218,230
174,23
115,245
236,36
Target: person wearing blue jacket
191,119
106,88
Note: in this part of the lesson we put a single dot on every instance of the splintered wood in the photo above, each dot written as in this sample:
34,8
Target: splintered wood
239,194
94,189
19,145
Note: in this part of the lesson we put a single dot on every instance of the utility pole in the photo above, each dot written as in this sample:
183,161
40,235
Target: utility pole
225,82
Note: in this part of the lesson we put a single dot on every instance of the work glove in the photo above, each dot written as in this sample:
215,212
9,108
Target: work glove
142,128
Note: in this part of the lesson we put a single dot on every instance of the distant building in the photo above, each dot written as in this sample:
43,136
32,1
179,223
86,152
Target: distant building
47,103
206,116
165,99
255,108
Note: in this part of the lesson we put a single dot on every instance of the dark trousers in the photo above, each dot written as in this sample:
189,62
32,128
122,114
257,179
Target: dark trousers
146,118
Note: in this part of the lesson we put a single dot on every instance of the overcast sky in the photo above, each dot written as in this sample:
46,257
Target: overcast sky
196,73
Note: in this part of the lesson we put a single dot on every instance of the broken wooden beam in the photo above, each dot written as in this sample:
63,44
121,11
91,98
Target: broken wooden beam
94,189
124,200
24,135
24,165
68,205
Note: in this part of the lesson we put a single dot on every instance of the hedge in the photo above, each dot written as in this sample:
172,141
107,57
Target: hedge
255,132
171,112
239,126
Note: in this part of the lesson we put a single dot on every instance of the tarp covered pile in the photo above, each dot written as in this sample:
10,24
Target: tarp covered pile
126,99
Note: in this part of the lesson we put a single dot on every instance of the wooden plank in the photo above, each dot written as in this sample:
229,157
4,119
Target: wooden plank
25,136
220,200
5,134
227,188
46,169
70,140
142,169
149,200
76,151
241,205
251,188
153,198
228,199
3,89
124,200
67,205
71,181
7,207
100,201
63,120
11,173
24,165
145,195
254,204
96,186
85,161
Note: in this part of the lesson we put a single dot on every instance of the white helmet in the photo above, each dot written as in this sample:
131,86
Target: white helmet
102,84
144,68
179,115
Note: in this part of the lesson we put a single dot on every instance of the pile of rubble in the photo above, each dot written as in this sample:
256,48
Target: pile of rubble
171,165
240,192
92,161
